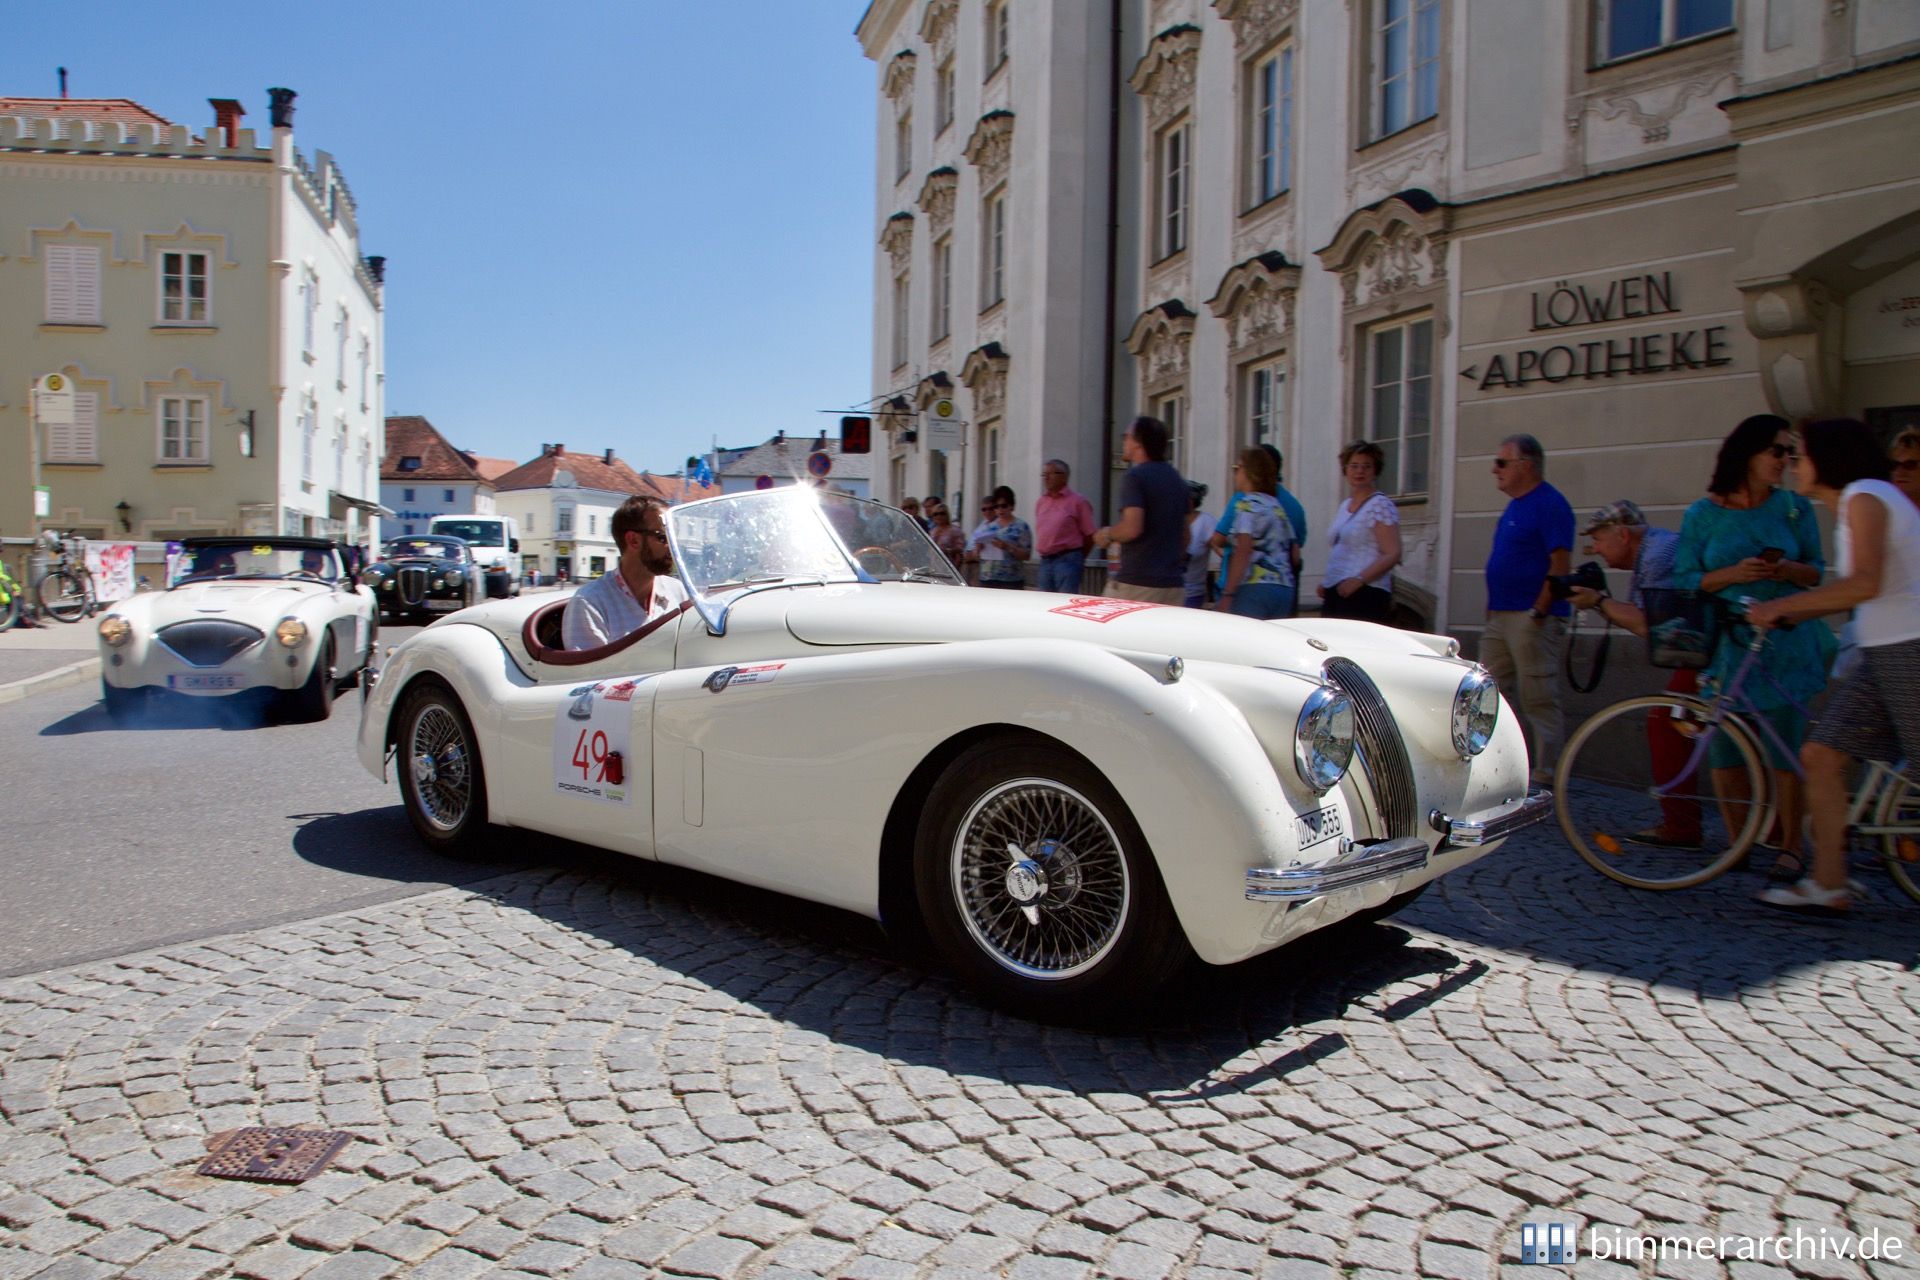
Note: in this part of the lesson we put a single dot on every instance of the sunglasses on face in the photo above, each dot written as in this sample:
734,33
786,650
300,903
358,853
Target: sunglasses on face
1908,464
1501,464
1783,451
658,535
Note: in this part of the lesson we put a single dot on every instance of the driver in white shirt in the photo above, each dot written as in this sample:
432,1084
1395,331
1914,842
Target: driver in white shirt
611,606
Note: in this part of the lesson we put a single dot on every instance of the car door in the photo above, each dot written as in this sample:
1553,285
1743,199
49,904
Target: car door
579,746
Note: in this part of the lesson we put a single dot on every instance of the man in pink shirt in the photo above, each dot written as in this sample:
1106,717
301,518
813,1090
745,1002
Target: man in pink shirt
1063,528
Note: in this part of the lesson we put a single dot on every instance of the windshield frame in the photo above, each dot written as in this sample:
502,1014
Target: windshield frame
713,606
335,574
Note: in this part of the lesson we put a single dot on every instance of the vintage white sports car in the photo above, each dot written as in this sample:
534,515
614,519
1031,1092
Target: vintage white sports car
1069,797
242,614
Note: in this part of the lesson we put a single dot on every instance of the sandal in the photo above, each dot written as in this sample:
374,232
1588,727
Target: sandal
1807,898
1787,867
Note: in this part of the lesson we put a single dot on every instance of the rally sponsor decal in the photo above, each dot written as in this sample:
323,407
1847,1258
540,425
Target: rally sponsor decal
1102,608
727,677
592,743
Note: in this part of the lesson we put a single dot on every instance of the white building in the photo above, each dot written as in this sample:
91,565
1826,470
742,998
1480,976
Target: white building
422,475
785,460
207,297
1620,226
564,503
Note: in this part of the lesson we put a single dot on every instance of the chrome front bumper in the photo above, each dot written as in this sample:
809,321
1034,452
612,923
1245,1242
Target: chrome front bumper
1363,864
1493,824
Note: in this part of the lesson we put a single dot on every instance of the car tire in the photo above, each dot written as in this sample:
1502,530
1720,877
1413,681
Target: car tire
443,785
1038,889
313,702
122,704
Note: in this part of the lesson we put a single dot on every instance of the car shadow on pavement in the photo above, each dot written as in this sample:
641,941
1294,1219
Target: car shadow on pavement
838,974
380,843
1536,897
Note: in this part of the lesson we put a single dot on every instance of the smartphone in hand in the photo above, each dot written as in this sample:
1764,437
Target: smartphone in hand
1771,555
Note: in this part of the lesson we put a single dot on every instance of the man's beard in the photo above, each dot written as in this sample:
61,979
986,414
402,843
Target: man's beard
659,565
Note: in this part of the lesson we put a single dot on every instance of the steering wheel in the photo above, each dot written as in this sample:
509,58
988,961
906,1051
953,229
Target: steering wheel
898,563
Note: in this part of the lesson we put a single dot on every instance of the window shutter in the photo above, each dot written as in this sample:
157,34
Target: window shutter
79,442
73,284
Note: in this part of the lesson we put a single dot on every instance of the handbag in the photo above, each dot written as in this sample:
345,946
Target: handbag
1683,628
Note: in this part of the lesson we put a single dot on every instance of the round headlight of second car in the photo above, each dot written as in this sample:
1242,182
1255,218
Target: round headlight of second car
455,577
1476,710
115,630
290,632
1323,739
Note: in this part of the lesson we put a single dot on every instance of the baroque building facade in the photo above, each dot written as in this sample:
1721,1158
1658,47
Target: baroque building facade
1617,225
205,296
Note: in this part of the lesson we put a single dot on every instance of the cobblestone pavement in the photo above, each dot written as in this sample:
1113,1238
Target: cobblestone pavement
603,1070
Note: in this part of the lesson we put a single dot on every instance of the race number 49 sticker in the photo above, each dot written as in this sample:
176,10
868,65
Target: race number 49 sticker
591,744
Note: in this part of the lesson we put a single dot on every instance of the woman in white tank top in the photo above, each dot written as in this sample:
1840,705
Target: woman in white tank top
1874,713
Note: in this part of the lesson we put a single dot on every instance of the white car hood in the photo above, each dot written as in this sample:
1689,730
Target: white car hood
230,599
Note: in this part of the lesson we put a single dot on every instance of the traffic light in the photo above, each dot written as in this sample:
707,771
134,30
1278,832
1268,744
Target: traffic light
856,435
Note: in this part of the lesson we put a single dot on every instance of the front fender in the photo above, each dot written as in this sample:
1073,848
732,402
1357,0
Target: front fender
470,660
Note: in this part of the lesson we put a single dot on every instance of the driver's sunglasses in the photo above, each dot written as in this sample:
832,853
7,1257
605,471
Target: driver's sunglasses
660,534
1783,451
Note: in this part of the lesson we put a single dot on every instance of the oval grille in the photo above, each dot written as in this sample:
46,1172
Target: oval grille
209,643
413,584
1382,754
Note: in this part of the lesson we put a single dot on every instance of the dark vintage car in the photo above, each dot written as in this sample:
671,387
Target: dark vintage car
423,574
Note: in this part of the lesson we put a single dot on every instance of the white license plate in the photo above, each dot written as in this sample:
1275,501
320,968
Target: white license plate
1321,824
203,682
445,605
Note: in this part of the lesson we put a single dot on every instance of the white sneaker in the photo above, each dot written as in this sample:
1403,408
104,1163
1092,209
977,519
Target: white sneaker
1808,898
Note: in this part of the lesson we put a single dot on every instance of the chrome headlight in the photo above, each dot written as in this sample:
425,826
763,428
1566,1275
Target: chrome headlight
455,577
115,630
439,583
1323,739
1476,709
386,584
290,632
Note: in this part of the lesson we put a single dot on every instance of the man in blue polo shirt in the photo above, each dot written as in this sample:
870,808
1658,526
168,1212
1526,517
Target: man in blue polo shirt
1526,627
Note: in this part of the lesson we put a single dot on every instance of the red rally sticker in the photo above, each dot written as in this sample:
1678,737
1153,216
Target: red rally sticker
1102,608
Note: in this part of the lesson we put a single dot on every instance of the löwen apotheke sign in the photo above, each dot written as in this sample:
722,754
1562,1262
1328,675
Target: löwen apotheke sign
1576,306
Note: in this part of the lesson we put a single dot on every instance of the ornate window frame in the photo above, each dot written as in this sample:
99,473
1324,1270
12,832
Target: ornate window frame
1165,78
1161,342
1256,301
1391,258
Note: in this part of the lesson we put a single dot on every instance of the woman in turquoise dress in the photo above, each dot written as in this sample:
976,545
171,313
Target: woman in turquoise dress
1750,536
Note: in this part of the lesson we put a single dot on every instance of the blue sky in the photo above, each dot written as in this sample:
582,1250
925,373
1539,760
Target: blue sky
629,225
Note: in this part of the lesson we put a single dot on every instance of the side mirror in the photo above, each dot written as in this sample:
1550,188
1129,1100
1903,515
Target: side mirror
513,545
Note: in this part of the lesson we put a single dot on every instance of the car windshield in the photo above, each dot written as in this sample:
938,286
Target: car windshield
418,548
726,545
481,533
244,559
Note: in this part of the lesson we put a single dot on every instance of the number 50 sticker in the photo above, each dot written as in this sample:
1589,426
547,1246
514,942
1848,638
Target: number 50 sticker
591,760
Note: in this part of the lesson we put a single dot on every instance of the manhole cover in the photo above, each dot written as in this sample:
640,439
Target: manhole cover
274,1155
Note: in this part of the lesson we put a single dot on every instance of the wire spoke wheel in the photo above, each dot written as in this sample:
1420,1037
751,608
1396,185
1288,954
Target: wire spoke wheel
1041,881
1900,807
439,760
1652,794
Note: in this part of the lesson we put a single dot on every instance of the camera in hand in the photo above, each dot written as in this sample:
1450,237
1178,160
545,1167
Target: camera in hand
1589,575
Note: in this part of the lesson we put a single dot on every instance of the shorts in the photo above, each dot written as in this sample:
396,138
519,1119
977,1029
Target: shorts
1786,722
1874,714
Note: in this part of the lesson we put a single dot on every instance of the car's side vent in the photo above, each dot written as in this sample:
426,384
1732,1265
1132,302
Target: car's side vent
1382,754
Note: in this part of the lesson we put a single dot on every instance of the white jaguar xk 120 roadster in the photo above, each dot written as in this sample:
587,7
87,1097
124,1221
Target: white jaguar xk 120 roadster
1069,797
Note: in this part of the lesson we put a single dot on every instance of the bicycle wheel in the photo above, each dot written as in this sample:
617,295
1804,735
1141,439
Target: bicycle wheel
1609,799
64,596
1900,806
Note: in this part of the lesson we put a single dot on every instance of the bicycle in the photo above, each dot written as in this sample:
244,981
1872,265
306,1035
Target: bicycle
1622,795
67,593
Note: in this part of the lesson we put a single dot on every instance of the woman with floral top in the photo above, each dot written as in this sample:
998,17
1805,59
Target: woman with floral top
1259,577
1003,546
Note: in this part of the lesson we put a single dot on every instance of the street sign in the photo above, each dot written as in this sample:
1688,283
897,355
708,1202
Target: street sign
819,464
42,501
53,400
944,433
763,482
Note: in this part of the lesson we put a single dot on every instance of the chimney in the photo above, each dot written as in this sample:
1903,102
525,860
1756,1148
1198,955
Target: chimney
226,118
607,457
282,107
377,268
63,81
559,449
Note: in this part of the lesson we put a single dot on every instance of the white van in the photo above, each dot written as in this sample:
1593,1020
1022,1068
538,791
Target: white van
495,541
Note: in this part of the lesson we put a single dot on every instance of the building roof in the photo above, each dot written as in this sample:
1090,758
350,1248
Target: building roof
413,437
587,471
675,488
491,469
785,458
103,110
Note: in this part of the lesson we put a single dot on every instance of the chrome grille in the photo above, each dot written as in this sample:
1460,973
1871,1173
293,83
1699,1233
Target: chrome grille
413,584
209,643
1382,754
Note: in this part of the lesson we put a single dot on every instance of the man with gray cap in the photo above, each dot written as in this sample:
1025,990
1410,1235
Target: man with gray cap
1618,533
